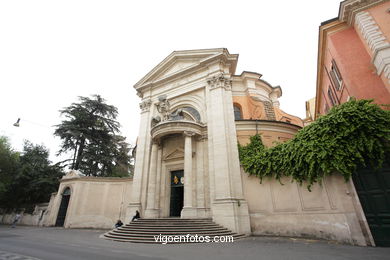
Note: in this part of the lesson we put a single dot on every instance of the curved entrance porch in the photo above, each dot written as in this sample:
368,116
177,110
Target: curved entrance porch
178,146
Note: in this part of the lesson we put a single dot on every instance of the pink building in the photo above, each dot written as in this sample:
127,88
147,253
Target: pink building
354,55
354,61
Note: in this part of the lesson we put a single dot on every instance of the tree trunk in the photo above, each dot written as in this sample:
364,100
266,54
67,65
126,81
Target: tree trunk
80,153
74,155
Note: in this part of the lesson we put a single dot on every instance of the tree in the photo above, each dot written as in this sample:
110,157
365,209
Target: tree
90,133
32,178
37,179
9,165
123,159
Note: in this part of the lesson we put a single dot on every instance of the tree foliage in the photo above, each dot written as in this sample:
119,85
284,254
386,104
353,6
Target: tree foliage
30,177
9,165
90,132
356,133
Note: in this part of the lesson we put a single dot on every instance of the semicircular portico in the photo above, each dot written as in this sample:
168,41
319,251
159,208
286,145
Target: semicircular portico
176,127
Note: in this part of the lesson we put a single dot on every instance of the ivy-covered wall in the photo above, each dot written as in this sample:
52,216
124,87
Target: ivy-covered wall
352,134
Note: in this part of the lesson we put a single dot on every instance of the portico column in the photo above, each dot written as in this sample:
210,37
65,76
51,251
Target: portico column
188,209
158,180
151,211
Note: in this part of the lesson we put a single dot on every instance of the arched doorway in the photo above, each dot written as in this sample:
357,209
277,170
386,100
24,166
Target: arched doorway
63,208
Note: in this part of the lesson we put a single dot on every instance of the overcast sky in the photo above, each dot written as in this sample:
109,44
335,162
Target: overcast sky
51,52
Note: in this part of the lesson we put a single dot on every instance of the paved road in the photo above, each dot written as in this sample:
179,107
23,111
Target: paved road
58,243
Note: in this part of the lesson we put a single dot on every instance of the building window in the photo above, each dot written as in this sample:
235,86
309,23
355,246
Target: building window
237,112
331,97
336,76
326,108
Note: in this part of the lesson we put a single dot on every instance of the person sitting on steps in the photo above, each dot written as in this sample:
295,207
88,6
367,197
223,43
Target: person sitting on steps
136,216
118,223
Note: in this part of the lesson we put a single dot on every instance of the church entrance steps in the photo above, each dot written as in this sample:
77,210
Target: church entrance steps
145,230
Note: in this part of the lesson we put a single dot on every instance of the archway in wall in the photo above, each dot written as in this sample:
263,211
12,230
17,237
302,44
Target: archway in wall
373,189
63,208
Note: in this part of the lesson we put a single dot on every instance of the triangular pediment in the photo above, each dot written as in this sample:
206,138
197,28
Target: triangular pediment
182,61
175,154
178,64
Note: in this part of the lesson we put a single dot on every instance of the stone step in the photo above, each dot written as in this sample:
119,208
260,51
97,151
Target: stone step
145,230
162,231
174,219
210,234
153,241
192,231
165,224
169,227
170,222
170,231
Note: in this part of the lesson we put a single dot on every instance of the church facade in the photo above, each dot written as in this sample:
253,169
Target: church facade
187,161
194,111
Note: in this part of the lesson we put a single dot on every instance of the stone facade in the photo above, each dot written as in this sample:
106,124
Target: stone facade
190,126
194,111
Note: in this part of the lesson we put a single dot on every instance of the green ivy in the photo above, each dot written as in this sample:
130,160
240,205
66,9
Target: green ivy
356,133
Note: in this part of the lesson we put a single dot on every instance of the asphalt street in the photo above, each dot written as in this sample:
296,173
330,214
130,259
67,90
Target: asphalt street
58,243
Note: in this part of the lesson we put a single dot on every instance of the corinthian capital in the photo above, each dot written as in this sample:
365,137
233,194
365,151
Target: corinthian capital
220,81
145,105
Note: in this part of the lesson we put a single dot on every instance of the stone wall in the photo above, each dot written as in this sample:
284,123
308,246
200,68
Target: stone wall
330,211
94,202
36,218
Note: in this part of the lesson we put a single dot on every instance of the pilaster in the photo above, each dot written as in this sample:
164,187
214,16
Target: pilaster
141,160
229,207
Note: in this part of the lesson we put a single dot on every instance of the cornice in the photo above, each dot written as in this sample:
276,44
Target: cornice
248,75
175,127
324,30
349,8
97,179
267,125
376,41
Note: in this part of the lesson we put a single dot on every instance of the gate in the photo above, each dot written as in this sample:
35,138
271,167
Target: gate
63,208
373,189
